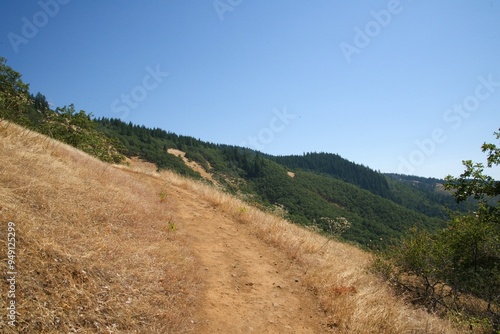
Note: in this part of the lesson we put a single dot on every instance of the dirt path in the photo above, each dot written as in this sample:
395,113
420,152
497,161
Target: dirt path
249,286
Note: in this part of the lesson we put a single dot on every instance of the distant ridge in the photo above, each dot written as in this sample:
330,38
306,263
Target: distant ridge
338,167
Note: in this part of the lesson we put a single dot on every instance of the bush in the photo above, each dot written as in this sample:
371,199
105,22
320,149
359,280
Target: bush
457,270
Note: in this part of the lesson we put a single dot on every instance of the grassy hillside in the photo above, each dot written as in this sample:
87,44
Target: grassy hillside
109,249
94,251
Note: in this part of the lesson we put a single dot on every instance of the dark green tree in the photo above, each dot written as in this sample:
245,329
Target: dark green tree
40,102
473,182
14,94
474,238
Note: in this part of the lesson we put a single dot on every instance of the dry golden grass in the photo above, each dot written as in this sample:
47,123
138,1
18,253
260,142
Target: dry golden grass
95,253
354,299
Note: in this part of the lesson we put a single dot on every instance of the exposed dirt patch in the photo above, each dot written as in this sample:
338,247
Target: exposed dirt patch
250,287
138,165
192,164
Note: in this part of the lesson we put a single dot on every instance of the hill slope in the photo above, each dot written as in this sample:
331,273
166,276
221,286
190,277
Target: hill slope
102,248
93,247
379,209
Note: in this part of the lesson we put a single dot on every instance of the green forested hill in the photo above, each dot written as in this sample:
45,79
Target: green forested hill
325,185
340,168
310,196
425,195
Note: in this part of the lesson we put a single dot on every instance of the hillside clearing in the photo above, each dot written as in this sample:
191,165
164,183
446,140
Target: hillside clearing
192,164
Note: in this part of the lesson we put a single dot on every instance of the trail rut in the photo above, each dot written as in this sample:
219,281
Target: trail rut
249,286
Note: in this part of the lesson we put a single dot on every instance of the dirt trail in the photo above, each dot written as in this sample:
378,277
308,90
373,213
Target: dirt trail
249,286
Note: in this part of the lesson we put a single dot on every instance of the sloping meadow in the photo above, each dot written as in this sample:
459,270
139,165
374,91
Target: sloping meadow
97,251
93,250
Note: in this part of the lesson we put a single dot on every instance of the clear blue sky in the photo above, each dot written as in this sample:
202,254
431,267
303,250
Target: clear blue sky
400,86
